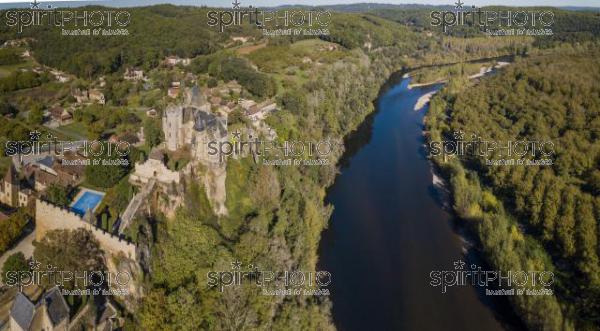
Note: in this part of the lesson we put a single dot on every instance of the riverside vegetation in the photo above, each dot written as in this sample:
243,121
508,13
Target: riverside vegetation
276,214
534,217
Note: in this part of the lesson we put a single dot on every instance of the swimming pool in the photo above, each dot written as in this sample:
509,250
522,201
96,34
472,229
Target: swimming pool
86,199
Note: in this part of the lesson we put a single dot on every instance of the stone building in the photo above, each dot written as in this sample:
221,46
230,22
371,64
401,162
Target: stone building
192,124
51,313
154,168
11,192
134,74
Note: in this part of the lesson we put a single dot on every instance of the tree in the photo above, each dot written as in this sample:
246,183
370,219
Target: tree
58,195
36,114
152,132
14,263
74,251
212,82
565,227
6,108
107,175
12,228
293,101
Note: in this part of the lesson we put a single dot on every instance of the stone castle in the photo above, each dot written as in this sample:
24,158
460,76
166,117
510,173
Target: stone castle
192,125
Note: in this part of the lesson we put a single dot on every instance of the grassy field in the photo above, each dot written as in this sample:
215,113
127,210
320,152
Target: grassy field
27,63
75,131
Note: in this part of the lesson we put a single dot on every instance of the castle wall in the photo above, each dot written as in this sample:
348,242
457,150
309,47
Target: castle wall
50,217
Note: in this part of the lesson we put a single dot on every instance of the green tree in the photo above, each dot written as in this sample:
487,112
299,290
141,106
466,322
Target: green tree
108,170
12,228
36,114
14,263
152,132
70,250
58,195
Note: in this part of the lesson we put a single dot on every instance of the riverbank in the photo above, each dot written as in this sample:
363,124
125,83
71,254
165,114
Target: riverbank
501,237
483,70
424,100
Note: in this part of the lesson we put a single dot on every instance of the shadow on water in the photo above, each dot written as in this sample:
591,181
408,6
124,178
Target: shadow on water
356,140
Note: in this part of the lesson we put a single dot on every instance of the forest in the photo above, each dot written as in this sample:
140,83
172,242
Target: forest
526,216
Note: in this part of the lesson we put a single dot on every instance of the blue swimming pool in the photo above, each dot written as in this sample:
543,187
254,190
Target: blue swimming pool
87,200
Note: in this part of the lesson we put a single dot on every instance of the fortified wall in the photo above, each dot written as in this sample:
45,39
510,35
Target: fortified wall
51,217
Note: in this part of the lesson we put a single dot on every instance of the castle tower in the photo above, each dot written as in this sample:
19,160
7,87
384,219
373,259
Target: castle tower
10,188
172,123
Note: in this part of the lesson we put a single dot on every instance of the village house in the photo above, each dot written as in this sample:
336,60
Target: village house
51,313
260,111
59,76
60,115
16,42
49,170
81,96
97,96
134,74
85,96
175,60
173,91
12,193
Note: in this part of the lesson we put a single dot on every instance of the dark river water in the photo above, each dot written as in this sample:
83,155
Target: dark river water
389,231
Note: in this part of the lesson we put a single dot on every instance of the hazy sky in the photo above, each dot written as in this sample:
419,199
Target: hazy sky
227,3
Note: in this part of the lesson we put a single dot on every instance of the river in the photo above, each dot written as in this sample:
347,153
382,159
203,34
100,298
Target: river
389,231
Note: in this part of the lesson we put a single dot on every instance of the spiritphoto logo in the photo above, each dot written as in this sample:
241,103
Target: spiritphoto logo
510,152
512,22
49,144
285,22
495,282
271,152
87,22
286,282
114,283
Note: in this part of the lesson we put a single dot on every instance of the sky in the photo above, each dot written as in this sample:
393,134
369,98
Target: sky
268,3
